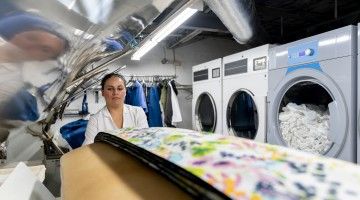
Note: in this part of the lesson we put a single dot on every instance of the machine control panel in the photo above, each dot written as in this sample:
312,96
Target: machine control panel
306,52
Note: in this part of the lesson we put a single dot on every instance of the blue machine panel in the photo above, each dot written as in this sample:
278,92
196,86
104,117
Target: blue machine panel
315,66
302,53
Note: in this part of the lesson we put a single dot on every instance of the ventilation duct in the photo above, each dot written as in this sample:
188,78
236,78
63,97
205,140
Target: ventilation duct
237,16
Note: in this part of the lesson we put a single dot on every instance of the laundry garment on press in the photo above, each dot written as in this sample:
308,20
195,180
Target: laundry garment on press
305,127
154,115
135,96
236,167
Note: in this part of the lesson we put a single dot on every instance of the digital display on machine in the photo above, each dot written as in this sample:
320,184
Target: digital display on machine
259,63
216,73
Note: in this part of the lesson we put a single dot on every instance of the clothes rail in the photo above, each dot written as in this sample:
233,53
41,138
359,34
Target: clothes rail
183,87
150,76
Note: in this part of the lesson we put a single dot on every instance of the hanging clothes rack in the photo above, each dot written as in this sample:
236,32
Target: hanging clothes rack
148,77
144,76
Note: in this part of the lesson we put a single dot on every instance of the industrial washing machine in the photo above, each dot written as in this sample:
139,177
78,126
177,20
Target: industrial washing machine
312,94
245,87
207,97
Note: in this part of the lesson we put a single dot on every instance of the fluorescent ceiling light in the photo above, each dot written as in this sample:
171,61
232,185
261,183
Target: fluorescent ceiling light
143,49
163,32
173,24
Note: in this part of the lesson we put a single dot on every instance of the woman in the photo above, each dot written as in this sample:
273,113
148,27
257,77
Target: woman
116,114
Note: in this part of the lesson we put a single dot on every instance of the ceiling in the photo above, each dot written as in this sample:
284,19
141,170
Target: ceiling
275,21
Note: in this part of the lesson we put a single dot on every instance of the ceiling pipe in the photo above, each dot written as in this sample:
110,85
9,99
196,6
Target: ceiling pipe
237,16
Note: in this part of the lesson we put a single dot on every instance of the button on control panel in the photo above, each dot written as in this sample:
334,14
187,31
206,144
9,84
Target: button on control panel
301,53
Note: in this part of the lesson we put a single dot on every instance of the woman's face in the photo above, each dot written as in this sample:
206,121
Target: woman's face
114,91
38,45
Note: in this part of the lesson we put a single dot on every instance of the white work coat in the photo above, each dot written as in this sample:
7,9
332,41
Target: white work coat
133,117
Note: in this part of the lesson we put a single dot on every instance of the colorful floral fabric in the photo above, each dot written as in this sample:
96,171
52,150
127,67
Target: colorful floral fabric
244,169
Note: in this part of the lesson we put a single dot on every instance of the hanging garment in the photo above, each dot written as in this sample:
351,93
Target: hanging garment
163,96
162,114
135,96
84,106
159,87
173,85
145,88
176,113
128,96
154,115
168,112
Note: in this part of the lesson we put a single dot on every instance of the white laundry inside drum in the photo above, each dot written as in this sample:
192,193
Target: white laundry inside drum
305,127
304,117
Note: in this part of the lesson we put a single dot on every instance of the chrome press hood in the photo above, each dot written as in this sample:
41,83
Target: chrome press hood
85,25
98,17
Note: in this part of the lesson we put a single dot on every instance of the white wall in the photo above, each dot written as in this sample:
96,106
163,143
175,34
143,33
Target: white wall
190,55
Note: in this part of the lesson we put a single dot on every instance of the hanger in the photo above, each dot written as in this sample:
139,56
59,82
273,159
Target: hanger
131,81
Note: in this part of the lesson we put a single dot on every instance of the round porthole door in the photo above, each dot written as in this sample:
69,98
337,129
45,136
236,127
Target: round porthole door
242,117
205,113
308,113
